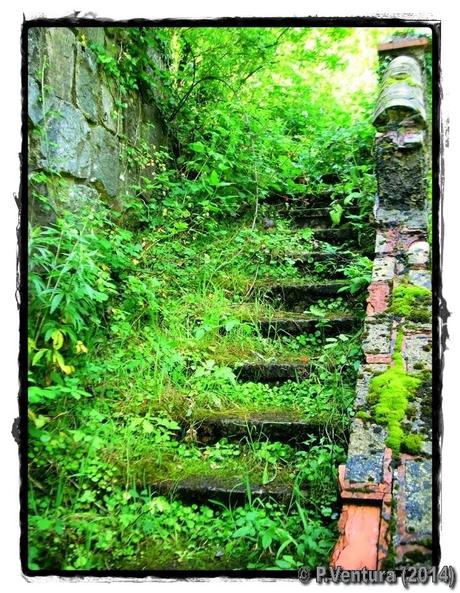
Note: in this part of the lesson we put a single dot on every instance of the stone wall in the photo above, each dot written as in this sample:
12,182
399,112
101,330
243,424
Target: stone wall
394,474
82,130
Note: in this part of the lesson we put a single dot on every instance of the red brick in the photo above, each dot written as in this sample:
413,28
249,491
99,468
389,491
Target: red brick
379,294
402,44
378,358
359,535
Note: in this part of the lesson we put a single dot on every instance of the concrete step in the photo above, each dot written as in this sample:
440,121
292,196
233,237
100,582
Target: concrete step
313,217
298,325
205,490
271,372
281,427
334,236
307,200
318,262
299,296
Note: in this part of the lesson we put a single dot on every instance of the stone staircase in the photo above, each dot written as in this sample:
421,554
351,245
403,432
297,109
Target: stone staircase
290,301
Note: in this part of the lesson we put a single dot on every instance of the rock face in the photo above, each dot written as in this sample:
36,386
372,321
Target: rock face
105,163
77,130
86,92
65,146
59,66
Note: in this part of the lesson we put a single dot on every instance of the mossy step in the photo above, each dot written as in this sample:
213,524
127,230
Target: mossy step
204,490
298,325
267,372
312,217
304,220
310,212
285,428
318,262
334,236
307,200
298,296
318,256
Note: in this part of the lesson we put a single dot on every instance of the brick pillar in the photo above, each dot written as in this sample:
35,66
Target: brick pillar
376,483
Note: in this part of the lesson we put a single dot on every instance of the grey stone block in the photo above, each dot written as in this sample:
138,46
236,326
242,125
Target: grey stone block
383,269
421,278
377,337
418,253
417,351
362,384
414,218
365,468
418,497
365,452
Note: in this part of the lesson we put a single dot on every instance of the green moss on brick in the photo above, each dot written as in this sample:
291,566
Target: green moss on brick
390,393
411,302
412,443
363,415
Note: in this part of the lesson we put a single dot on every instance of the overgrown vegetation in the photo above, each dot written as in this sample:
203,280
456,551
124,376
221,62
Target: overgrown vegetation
137,316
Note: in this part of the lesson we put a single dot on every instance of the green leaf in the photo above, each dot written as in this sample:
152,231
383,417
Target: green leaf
214,178
56,301
147,426
243,531
38,395
336,213
229,325
197,147
266,540
38,355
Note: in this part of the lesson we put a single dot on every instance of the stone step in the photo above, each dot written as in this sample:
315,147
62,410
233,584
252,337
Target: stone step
205,490
307,200
306,221
312,213
322,256
311,262
281,427
334,236
313,217
298,297
298,325
270,372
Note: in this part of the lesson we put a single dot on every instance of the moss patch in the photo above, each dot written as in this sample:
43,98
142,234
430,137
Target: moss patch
412,302
390,393
412,443
363,415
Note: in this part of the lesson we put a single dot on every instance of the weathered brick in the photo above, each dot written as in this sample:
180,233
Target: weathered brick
421,278
418,253
377,337
383,269
417,351
385,241
378,299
